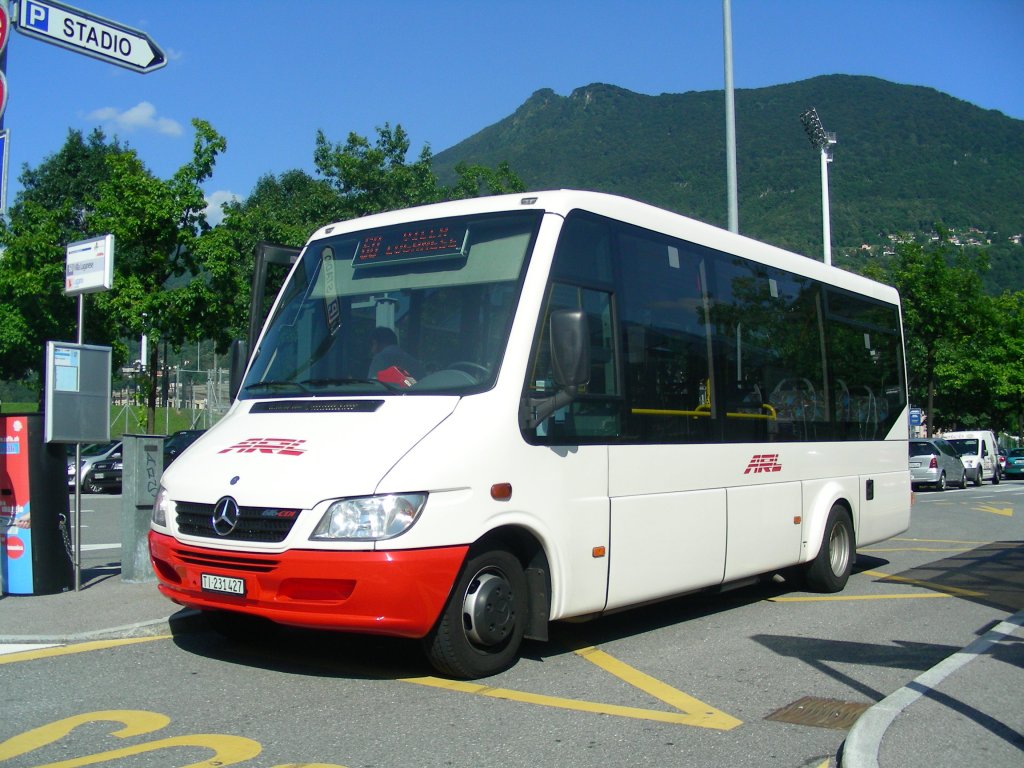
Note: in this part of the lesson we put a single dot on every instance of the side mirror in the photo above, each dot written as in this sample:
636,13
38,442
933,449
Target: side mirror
570,365
239,356
570,348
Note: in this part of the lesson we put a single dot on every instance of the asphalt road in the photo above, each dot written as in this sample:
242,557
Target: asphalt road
760,676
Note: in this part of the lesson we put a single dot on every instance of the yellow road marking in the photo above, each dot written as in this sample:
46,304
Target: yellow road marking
692,711
703,715
942,541
840,598
64,650
1004,511
557,702
914,549
927,584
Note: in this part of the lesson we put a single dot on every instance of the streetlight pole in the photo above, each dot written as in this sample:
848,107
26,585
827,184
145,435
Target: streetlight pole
824,141
730,121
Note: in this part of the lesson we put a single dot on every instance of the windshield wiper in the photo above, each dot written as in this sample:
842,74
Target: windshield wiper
275,384
333,382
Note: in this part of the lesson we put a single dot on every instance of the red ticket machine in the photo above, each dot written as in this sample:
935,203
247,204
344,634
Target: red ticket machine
35,554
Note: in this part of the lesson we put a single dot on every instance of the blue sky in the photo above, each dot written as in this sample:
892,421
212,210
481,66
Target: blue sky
267,74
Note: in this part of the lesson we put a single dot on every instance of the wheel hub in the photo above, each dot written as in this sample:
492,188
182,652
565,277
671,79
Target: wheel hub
487,610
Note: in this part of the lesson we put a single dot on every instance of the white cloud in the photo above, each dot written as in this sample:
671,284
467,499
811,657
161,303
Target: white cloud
140,117
214,201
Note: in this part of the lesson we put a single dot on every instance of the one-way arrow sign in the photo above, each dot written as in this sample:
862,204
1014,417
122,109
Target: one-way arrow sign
87,33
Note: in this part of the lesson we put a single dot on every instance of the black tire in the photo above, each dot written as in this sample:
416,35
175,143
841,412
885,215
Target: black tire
830,570
481,627
91,487
995,477
941,485
963,481
979,478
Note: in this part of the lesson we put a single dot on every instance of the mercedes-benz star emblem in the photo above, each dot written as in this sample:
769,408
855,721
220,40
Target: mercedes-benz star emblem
225,516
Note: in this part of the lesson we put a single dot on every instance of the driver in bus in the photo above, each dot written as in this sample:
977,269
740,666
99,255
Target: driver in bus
389,361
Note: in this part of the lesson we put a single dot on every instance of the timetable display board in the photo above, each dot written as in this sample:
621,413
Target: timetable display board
77,393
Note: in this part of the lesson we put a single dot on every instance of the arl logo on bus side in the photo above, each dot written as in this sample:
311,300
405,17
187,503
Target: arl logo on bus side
281,446
763,462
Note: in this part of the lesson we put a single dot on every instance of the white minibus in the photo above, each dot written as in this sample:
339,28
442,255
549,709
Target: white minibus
466,420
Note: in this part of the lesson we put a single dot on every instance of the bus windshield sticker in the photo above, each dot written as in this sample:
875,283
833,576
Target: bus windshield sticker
400,245
332,307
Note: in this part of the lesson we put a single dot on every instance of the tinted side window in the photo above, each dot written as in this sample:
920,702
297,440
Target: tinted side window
866,358
664,339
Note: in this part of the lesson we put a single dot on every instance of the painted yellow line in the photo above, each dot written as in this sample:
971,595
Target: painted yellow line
560,703
1004,511
916,549
927,584
702,715
941,541
65,650
840,598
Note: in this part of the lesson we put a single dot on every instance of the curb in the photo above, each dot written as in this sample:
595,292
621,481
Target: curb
862,745
179,623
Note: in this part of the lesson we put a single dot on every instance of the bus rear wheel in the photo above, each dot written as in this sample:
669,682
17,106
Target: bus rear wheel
481,627
830,570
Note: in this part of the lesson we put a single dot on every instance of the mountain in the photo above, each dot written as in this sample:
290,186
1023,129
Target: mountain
908,158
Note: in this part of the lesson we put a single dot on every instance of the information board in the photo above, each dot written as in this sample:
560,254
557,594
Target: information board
77,393
90,266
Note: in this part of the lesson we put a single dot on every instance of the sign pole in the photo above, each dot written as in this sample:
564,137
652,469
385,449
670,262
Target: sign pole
76,523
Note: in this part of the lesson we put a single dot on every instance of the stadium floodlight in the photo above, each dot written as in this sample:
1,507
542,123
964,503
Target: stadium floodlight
824,141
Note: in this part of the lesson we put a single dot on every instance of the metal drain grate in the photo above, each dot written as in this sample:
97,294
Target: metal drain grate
820,713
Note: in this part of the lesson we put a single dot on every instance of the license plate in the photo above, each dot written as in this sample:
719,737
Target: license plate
225,584
99,475
915,464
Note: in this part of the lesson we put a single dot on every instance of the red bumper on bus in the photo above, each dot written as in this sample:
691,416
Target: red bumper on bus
397,592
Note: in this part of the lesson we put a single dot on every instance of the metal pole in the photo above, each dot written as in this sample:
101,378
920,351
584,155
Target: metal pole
730,122
77,524
826,224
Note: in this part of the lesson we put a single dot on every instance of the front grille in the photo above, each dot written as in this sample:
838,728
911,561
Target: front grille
264,524
209,559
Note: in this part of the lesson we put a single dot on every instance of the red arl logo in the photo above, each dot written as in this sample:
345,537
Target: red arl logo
282,446
763,462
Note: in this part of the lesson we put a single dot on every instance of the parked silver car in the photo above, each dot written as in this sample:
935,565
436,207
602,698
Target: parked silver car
90,455
935,462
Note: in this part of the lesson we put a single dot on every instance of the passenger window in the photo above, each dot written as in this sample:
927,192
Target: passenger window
664,338
769,352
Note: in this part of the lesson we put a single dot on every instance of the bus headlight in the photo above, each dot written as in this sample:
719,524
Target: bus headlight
370,517
162,505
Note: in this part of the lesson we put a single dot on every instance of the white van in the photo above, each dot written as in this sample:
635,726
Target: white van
979,452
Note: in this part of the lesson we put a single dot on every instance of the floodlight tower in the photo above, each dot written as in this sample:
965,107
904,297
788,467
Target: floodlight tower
824,141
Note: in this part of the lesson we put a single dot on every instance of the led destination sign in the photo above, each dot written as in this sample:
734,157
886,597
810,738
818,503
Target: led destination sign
399,245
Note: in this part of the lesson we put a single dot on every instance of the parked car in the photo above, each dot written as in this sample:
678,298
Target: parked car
90,455
977,449
178,442
936,463
1015,463
104,476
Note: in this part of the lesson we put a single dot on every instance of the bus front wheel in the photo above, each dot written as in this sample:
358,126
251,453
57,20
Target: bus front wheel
481,626
830,570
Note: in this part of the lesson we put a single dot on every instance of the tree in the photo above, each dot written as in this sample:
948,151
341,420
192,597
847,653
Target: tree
371,179
50,211
943,317
1008,351
160,288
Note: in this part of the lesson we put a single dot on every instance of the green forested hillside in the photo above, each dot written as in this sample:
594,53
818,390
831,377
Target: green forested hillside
908,159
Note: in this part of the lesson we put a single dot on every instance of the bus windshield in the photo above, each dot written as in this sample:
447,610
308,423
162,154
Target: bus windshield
423,307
